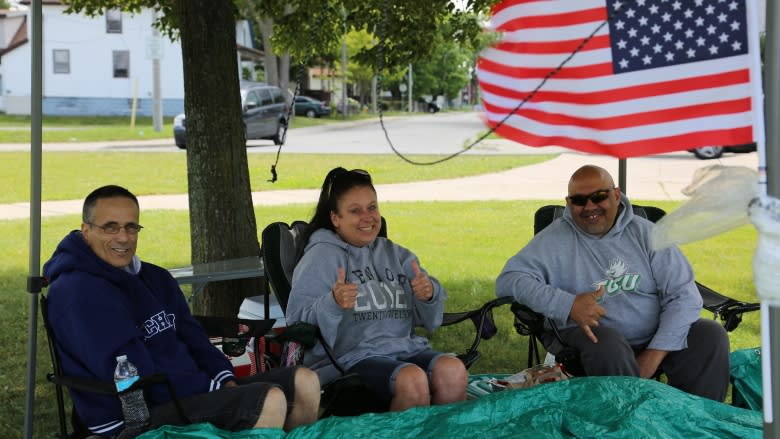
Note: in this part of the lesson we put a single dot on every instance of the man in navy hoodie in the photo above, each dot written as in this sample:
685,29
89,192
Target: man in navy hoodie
104,302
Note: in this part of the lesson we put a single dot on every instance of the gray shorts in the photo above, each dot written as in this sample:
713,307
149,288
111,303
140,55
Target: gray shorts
379,373
230,408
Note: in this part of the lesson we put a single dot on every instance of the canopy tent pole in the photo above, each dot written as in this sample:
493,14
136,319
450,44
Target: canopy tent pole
622,175
33,279
772,151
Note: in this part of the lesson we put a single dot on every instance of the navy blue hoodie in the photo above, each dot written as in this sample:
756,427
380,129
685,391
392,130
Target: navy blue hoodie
98,312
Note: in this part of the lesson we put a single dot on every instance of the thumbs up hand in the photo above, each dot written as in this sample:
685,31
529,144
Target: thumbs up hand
345,294
421,284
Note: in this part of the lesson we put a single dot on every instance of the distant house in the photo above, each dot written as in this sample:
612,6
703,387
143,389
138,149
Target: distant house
96,66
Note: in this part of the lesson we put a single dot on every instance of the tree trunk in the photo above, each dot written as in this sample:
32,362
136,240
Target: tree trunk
222,219
266,26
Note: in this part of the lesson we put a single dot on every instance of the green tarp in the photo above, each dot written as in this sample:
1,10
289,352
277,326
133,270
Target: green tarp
745,369
593,407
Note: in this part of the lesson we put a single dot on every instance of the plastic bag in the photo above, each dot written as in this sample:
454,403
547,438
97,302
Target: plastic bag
719,198
765,215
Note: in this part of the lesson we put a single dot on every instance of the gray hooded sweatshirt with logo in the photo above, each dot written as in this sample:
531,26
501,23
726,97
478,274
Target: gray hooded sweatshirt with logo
383,320
650,295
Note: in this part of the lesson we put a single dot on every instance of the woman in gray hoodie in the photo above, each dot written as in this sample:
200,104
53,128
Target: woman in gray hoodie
366,294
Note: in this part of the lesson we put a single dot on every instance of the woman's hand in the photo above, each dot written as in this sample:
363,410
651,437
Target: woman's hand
345,294
421,284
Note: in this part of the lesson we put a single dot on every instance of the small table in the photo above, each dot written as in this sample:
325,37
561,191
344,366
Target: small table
200,274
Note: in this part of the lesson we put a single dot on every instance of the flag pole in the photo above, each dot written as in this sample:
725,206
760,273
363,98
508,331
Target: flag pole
770,313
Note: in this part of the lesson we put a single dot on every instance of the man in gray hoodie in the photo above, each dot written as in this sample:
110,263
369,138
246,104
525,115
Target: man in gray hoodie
628,309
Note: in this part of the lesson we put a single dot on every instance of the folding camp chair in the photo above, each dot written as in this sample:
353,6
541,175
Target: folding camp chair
279,244
532,324
231,342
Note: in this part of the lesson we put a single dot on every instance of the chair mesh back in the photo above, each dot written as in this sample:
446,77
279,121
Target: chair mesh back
547,214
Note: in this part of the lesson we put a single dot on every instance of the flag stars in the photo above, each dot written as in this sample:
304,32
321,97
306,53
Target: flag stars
648,34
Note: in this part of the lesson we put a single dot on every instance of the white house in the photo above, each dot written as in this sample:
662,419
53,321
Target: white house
96,66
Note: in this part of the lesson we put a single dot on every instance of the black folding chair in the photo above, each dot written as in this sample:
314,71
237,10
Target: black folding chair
532,324
279,244
232,343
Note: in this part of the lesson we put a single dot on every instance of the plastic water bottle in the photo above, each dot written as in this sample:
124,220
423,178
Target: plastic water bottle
134,408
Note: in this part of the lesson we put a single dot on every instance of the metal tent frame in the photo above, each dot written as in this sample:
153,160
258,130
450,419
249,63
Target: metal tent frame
770,311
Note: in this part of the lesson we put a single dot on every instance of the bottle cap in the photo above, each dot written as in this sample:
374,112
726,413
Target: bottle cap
121,357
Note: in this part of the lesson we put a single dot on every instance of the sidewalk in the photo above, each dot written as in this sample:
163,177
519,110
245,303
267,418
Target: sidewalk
648,178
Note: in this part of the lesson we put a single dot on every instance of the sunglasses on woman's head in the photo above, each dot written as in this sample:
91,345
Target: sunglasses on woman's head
359,174
595,197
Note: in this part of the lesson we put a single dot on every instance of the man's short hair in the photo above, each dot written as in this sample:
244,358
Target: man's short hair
108,191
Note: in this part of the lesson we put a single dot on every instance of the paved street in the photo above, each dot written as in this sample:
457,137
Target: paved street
660,177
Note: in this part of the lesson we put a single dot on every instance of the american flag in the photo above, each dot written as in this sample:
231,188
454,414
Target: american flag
651,76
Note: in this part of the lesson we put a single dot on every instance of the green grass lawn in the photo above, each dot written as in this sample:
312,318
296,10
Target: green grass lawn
464,244
72,175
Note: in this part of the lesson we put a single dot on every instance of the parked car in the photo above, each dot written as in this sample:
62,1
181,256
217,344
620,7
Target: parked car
354,106
310,107
264,110
430,106
714,152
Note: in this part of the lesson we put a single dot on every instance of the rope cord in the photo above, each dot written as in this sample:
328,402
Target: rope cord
380,66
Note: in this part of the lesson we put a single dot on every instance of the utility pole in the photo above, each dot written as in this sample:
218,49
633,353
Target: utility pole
156,52
411,82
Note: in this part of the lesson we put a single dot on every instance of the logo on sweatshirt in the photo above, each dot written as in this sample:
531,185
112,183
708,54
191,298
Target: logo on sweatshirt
618,279
159,323
381,298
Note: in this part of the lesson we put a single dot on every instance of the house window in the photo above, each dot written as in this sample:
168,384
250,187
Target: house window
113,21
61,60
121,63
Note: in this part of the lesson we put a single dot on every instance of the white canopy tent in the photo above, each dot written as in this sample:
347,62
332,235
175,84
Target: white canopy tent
770,309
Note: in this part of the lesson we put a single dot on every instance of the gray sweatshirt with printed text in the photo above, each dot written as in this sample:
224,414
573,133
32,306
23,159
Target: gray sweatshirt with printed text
650,295
383,320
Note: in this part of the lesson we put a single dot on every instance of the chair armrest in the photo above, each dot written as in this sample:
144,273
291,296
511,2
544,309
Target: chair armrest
729,310
484,326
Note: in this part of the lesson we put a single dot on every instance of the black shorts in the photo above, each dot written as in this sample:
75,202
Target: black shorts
230,408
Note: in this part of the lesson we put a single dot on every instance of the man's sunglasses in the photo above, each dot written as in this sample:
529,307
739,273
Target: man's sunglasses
595,197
